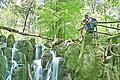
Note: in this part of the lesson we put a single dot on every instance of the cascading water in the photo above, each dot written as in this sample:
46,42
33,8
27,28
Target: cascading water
17,64
37,63
38,69
14,63
52,67
55,66
38,51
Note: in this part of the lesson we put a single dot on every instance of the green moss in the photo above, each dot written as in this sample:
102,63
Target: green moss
10,41
2,66
26,48
8,53
23,73
71,56
2,38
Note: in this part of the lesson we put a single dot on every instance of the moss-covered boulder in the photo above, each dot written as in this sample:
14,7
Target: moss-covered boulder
2,39
22,73
10,41
3,43
32,40
26,48
3,67
71,56
1,52
8,53
47,57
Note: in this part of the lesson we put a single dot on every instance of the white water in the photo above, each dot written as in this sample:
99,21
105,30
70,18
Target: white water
14,63
53,69
37,66
38,51
38,69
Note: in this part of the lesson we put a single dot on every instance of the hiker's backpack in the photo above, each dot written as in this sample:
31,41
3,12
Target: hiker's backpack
94,21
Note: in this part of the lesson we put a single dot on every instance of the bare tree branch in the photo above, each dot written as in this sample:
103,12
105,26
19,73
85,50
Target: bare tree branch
26,34
27,14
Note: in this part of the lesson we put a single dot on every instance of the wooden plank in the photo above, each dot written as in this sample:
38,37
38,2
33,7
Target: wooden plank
108,27
109,22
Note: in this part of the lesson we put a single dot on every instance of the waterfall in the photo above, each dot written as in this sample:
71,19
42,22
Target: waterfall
38,51
14,63
55,63
47,72
37,66
38,69
53,69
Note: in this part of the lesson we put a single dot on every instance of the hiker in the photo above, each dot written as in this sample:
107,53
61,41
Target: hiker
89,24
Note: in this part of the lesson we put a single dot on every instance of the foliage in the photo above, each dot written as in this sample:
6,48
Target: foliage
95,58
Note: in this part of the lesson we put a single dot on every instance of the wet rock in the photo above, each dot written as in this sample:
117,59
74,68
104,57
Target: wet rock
16,56
8,53
22,58
47,57
61,70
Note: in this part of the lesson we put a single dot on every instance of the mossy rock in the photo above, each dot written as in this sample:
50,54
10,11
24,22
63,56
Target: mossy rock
22,58
32,41
23,75
60,50
3,66
10,41
20,74
25,45
2,39
1,52
26,48
88,39
46,57
8,53
29,57
116,50
21,43
71,56
16,56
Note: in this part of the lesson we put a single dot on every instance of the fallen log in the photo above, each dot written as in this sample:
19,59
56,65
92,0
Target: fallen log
22,33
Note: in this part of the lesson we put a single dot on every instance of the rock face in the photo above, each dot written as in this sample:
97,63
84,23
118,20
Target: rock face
3,43
3,67
26,48
22,73
19,59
